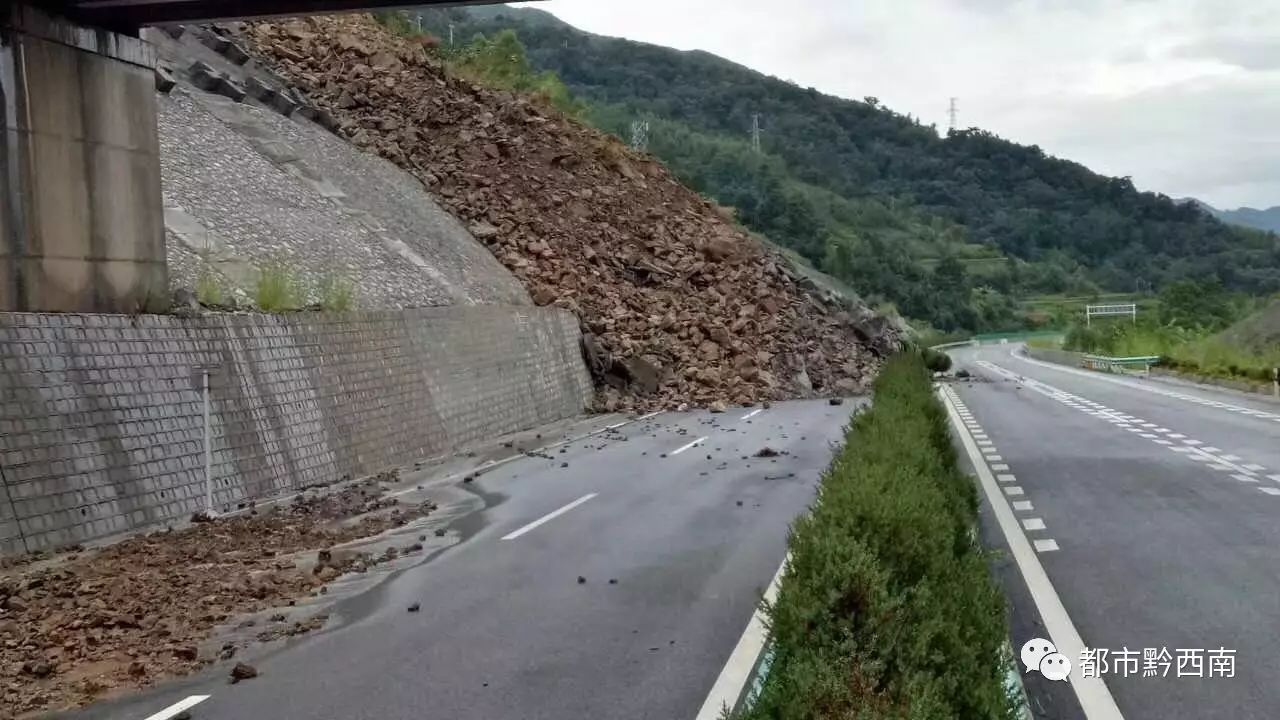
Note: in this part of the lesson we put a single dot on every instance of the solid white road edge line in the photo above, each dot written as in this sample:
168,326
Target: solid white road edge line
1095,699
178,707
682,448
548,517
742,661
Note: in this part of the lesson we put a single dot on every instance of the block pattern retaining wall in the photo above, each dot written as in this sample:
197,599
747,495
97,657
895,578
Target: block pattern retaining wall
101,415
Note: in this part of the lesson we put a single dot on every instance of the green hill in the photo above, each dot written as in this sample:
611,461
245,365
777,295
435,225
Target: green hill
878,199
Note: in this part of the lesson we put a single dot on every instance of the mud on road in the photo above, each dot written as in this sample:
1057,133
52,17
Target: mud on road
83,625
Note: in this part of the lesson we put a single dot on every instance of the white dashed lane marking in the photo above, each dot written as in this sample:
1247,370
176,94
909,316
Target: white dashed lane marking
686,446
1046,545
178,707
1270,490
1033,524
1147,430
1023,505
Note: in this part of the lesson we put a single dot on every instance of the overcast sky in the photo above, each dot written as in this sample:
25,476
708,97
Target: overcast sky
1181,95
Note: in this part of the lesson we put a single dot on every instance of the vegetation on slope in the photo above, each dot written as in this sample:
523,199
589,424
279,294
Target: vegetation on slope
878,199
1197,327
887,609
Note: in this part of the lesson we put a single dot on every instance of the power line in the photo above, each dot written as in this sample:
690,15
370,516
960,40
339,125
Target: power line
951,113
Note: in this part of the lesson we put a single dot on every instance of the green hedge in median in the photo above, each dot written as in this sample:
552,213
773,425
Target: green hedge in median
887,609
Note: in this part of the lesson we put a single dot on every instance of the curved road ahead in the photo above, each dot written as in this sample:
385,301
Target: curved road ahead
1152,511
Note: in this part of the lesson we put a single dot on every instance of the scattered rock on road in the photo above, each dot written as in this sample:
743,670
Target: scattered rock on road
415,607
835,401
243,671
767,451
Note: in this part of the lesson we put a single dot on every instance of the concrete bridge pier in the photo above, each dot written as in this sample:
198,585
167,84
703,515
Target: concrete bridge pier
81,215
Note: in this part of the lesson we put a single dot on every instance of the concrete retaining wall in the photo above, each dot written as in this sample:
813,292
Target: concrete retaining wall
101,415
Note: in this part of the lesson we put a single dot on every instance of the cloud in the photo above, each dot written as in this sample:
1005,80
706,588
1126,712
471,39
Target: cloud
1176,94
1244,52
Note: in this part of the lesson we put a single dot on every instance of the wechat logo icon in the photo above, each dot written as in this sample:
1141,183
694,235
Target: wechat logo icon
1042,656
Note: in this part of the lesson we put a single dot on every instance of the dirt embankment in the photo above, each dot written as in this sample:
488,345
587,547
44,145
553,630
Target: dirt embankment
76,627
679,306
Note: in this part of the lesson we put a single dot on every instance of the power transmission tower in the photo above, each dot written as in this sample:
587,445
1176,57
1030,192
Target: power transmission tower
450,34
951,113
640,135
755,132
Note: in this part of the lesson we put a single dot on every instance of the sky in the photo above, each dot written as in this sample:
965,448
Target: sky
1183,96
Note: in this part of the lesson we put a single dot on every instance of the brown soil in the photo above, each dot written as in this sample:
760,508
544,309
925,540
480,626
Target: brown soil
76,627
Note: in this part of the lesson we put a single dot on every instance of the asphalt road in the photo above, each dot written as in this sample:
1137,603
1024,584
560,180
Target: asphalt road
1154,510
692,535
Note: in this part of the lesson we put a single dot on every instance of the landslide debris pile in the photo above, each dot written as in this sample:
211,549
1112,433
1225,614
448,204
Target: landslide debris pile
132,613
678,305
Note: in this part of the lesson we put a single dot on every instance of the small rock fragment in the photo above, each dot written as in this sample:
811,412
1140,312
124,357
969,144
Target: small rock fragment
243,671
415,607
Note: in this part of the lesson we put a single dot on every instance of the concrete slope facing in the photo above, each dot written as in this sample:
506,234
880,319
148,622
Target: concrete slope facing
251,183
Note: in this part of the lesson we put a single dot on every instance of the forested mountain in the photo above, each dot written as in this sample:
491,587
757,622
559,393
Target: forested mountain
1268,219
949,228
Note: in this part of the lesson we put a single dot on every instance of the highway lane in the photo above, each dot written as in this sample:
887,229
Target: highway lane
675,530
1155,517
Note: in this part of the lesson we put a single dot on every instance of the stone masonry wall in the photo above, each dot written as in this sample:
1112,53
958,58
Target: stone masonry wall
101,415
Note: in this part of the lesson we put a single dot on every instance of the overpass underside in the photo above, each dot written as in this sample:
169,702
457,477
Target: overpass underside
81,213
127,15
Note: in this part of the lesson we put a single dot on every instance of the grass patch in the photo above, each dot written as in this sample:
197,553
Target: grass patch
278,289
336,293
209,288
887,609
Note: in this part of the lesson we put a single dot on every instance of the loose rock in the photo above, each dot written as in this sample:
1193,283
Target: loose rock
243,672
678,306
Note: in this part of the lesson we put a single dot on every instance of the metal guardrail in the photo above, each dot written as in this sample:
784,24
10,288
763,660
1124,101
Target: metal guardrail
1120,364
961,343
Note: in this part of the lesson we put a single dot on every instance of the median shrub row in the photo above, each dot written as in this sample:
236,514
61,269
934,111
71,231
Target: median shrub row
887,609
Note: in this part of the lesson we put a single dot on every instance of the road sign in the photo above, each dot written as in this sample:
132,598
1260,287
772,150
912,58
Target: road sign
1092,311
